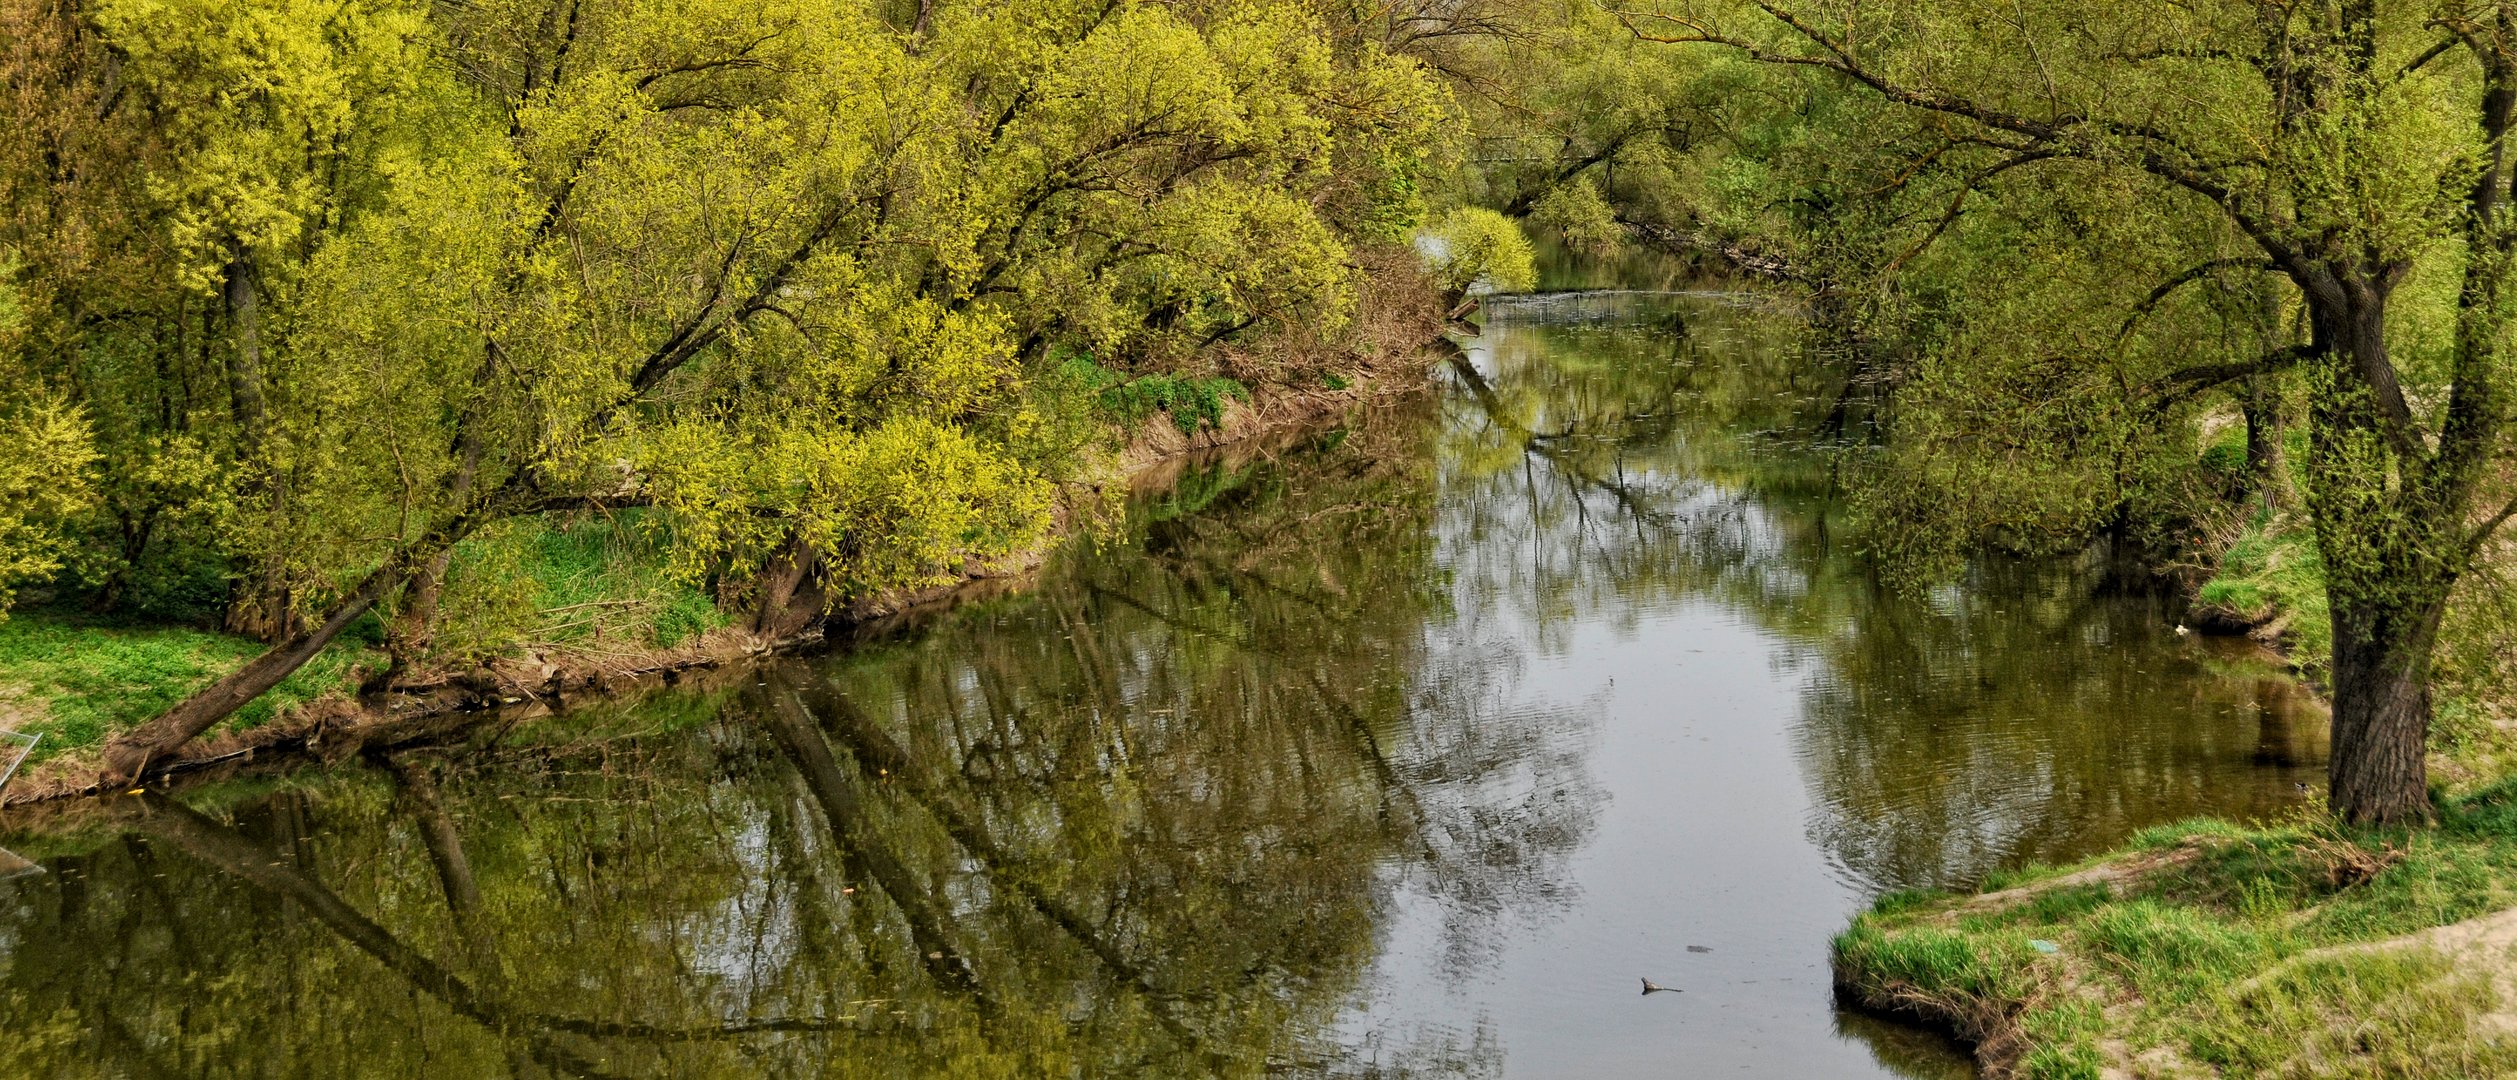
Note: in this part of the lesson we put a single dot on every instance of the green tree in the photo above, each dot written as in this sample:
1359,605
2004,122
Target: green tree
342,284
2341,146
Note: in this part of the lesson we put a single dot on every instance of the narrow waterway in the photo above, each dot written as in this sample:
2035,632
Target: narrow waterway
1400,750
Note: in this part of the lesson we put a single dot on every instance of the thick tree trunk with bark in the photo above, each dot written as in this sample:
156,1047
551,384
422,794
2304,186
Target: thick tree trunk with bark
2391,560
2381,718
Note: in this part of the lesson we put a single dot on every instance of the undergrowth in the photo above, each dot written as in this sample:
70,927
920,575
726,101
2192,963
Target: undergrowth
1194,404
2273,575
589,583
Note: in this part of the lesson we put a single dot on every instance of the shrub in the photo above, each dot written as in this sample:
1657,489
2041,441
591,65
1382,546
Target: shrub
1473,246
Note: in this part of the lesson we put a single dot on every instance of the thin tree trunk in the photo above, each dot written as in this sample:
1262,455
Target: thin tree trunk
2265,468
262,608
411,630
244,373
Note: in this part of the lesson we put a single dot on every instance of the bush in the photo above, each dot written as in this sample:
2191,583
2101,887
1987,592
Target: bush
1472,246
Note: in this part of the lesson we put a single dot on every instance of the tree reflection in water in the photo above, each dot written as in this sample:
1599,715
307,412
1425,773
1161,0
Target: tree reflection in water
2022,714
1143,822
1167,814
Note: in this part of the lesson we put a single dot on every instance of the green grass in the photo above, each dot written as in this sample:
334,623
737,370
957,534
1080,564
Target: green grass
2402,1015
79,681
2273,572
598,581
1192,403
2207,961
593,583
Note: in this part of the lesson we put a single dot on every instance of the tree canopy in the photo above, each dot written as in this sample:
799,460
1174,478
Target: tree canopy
331,287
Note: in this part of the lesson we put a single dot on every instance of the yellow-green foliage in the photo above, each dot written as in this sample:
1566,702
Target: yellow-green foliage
45,452
46,449
344,280
1586,220
1472,246
895,506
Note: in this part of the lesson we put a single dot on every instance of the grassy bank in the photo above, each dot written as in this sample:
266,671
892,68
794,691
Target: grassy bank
2208,950
78,680
2299,949
566,586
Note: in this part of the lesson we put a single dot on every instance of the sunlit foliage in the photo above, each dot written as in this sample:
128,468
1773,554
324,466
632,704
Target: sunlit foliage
338,284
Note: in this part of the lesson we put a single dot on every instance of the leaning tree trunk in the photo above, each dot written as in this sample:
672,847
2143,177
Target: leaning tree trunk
129,755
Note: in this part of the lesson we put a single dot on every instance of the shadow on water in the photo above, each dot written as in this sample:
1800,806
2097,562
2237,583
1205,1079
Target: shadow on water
1397,751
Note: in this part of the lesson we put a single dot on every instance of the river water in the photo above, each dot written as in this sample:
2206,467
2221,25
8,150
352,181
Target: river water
1400,750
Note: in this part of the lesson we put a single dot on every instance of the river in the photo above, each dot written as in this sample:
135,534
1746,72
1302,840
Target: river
1404,749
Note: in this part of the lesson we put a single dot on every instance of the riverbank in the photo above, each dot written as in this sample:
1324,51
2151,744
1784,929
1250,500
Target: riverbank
2295,948
80,681
2206,950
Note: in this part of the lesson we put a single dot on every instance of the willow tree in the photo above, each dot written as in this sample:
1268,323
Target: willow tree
787,272
2344,144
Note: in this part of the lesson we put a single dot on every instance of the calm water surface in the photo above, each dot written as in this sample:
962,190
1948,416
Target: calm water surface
1401,751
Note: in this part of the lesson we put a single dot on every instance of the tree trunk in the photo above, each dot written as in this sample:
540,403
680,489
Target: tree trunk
261,607
2390,562
2381,716
128,756
787,599
2265,468
411,629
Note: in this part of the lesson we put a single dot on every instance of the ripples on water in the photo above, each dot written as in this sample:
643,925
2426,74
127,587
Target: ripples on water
1400,751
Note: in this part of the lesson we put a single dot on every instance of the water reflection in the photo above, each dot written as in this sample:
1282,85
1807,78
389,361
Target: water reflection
1610,463
1392,752
1144,822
